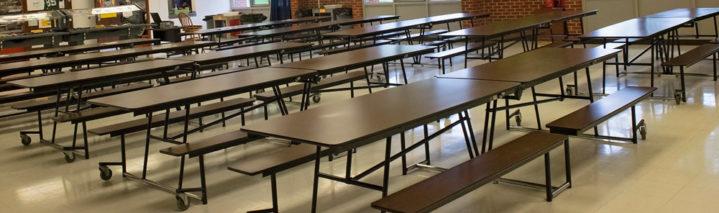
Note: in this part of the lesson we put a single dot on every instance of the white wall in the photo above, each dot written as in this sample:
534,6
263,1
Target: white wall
202,7
412,10
613,11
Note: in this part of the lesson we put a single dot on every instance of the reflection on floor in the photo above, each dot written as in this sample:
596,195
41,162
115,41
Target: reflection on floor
675,169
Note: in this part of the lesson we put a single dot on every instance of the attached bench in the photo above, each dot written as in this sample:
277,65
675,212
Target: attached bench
199,149
127,127
353,47
688,59
294,90
449,54
416,36
22,95
81,115
559,44
272,163
50,102
602,110
457,181
203,75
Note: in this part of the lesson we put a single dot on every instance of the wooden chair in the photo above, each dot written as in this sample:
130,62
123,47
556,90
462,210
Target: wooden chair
187,27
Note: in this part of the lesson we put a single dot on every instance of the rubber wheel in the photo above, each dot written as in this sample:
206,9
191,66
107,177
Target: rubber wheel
69,157
105,173
643,132
518,119
182,202
25,140
316,98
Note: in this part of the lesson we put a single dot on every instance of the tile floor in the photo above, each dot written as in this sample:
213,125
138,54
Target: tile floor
675,170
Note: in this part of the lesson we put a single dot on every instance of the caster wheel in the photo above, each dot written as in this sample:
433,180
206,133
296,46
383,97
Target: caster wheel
643,132
69,157
678,98
182,202
569,91
105,173
25,140
518,120
316,98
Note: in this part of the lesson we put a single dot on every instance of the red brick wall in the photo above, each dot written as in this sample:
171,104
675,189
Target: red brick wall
294,5
512,9
499,9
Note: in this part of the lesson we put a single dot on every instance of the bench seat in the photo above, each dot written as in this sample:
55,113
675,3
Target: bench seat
88,114
214,143
209,74
418,35
457,51
595,113
49,102
451,184
693,56
22,95
294,90
271,163
177,116
558,44
353,47
688,59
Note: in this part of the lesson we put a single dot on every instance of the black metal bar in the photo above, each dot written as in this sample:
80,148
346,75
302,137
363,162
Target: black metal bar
315,184
634,124
548,177
466,137
147,144
203,182
567,163
536,108
404,157
273,186
471,133
387,156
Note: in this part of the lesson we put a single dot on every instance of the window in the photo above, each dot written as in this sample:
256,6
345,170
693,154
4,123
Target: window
239,4
243,4
378,1
260,2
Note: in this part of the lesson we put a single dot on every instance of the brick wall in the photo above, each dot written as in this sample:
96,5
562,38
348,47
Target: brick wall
499,9
512,9
294,5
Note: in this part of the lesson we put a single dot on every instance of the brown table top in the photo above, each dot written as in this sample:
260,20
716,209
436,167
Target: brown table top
692,13
316,26
64,61
535,67
360,57
511,26
203,89
74,49
228,29
402,25
99,75
372,117
241,53
637,28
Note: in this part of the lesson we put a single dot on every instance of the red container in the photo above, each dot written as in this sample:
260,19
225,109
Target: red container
549,3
